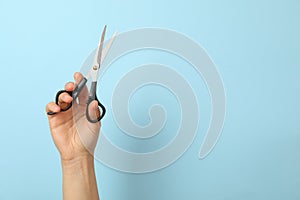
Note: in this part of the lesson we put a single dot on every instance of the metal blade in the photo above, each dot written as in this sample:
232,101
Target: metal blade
97,58
107,47
99,53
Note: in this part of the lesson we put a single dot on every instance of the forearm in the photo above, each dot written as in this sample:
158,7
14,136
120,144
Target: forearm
79,180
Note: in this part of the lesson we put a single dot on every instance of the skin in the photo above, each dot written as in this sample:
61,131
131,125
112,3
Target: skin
79,180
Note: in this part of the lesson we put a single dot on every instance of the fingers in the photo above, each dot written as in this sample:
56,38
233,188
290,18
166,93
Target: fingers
64,100
84,92
52,107
78,77
70,86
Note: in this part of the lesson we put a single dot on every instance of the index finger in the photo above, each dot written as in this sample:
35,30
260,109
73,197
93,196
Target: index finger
84,92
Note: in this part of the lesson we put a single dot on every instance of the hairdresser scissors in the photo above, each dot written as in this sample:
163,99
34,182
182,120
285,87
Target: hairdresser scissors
93,74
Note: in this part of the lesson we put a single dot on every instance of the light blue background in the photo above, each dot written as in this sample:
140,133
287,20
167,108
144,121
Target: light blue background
255,46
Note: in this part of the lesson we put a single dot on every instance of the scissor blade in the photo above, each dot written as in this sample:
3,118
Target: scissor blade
107,47
100,56
99,53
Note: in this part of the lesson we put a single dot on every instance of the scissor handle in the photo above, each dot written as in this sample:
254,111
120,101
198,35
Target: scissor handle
89,101
56,101
74,94
101,107
92,97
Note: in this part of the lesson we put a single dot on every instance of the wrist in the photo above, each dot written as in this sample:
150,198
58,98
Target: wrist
78,165
79,179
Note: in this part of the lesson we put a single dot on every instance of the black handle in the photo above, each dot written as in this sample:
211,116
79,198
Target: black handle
74,94
101,107
92,97
56,101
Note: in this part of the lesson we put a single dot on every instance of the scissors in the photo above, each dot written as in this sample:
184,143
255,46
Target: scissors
93,74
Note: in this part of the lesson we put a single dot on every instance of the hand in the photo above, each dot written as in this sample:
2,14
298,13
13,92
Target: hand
73,135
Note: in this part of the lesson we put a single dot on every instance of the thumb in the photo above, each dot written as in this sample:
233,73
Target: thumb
94,111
